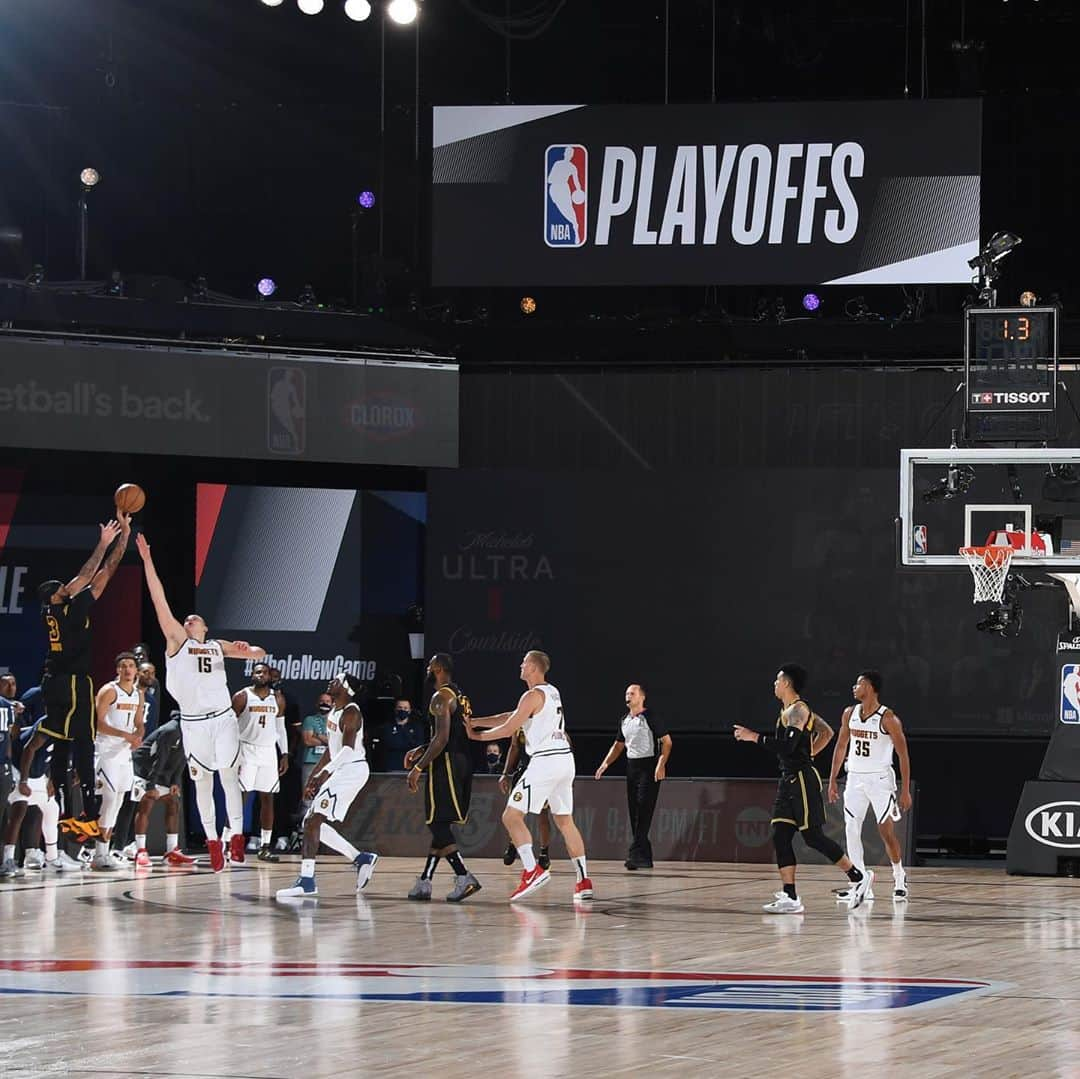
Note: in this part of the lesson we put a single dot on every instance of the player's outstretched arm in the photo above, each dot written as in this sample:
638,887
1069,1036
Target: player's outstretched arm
891,725
241,650
109,532
105,574
489,721
610,757
532,700
170,627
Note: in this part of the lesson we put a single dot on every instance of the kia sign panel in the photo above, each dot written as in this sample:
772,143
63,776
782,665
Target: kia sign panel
832,193
58,394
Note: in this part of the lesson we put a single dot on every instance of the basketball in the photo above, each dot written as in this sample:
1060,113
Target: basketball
578,197
129,498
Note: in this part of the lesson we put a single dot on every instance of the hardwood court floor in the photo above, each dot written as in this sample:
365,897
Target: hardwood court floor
188,974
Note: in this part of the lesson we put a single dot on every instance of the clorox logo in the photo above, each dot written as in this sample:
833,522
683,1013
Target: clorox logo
1056,824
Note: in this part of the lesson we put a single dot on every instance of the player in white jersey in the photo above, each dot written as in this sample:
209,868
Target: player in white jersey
260,712
549,777
873,732
195,676
120,708
334,787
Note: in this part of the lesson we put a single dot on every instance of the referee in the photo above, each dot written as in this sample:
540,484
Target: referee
648,746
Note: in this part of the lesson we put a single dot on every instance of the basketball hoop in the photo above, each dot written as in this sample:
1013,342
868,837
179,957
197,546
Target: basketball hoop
989,567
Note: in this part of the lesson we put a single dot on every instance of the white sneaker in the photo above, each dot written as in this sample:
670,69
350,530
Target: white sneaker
784,904
103,864
282,844
119,859
35,859
860,891
900,892
64,863
253,845
843,895
130,851
86,855
304,888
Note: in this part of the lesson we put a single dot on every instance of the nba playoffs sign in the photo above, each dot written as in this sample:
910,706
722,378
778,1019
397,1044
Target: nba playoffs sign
831,193
59,394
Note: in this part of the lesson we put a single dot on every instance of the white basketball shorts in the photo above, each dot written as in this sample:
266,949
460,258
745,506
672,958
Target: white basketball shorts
39,791
211,744
115,774
337,794
876,789
547,779
259,768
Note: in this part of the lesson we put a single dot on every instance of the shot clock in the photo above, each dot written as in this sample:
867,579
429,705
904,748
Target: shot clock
1010,366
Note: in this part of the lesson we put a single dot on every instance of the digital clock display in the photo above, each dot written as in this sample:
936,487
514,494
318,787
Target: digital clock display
1017,339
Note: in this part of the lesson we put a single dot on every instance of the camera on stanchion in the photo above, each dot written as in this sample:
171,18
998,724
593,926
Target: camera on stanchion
1006,617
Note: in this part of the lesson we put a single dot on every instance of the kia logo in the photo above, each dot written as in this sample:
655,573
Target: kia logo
1056,824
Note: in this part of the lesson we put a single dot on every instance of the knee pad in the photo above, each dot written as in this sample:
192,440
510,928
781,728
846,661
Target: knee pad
110,806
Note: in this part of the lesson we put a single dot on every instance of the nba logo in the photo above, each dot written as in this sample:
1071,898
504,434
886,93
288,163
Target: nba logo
286,411
566,195
1070,693
919,539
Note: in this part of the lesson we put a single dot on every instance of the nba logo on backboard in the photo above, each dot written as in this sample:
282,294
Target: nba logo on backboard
286,411
918,539
566,195
1070,693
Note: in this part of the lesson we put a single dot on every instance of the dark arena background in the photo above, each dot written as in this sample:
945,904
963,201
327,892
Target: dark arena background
682,342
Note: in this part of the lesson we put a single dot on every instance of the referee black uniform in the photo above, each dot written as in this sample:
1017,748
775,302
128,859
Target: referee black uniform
641,735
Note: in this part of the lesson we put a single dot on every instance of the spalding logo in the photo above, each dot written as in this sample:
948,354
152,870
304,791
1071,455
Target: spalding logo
1056,824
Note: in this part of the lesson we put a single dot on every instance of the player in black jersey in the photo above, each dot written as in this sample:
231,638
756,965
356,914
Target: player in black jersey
66,685
800,735
447,759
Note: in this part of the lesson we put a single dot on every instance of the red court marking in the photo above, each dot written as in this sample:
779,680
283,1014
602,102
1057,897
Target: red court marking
208,500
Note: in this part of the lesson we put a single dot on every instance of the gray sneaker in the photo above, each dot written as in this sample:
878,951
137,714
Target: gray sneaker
463,888
9,869
421,890
103,865
35,859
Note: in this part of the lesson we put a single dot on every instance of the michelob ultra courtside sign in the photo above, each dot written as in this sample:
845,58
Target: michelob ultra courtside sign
811,193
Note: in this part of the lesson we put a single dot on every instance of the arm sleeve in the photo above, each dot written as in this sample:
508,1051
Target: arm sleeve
282,736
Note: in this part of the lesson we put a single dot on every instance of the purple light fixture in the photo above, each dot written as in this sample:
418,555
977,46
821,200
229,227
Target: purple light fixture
366,199
811,301
266,287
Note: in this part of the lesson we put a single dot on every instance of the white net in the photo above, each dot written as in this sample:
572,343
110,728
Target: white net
989,568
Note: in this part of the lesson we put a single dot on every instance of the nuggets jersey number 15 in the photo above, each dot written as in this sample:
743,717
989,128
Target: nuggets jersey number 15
195,676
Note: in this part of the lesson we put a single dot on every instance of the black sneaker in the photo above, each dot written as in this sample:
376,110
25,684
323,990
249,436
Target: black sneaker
510,854
267,855
543,859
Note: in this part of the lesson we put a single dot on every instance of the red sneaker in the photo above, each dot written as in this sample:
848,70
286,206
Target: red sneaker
217,855
236,848
178,858
142,859
530,881
583,889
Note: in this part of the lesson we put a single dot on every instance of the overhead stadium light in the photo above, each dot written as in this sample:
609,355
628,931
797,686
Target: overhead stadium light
273,3
267,287
310,7
366,199
402,12
89,178
811,301
357,10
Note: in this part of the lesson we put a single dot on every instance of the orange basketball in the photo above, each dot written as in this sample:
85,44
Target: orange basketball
130,498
